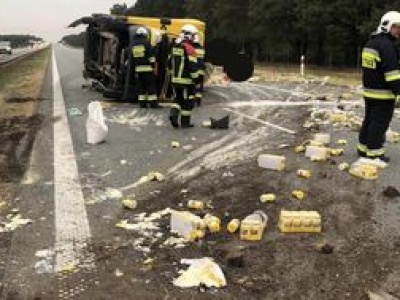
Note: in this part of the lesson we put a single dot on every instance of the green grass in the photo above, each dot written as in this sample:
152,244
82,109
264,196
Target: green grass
20,72
339,76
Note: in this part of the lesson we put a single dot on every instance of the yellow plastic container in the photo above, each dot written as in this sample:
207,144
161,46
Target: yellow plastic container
304,173
299,221
252,227
233,225
195,204
270,197
299,194
213,223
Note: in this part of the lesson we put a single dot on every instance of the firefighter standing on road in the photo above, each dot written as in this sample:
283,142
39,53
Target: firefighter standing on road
200,54
381,85
183,67
144,60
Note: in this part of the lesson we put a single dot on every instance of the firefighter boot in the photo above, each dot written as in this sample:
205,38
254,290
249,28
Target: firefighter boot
185,122
174,116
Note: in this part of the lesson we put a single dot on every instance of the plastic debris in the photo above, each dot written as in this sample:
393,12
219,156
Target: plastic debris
270,197
344,166
69,268
303,173
187,225
148,261
252,227
392,136
195,204
113,193
323,138
213,223
175,144
341,142
222,123
299,221
272,162
364,171
73,111
316,153
206,123
16,222
201,271
300,148
129,203
336,152
299,194
325,248
233,225
155,176
118,273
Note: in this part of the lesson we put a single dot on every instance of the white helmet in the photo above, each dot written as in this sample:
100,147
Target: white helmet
188,31
141,31
387,20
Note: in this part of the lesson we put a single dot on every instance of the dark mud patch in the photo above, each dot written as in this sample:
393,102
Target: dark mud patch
23,99
16,140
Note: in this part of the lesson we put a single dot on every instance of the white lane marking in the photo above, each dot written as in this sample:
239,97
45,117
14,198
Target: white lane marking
266,102
72,230
261,121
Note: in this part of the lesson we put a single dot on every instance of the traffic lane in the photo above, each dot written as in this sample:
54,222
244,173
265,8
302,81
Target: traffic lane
145,145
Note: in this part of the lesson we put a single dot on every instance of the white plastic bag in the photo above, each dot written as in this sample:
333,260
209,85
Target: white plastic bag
96,128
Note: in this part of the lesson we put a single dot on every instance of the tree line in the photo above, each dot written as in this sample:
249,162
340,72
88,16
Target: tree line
20,40
327,32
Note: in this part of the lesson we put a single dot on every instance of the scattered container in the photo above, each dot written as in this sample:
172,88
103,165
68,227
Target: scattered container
233,225
303,173
213,223
270,197
299,221
299,194
252,227
195,204
324,138
272,162
317,152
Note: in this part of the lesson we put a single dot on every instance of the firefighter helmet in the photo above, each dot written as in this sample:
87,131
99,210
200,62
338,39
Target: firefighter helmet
188,31
141,31
388,19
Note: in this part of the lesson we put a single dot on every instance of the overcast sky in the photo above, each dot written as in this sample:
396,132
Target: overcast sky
48,18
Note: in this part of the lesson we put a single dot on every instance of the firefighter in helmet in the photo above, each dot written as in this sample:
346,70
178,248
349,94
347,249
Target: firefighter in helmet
144,61
381,85
183,67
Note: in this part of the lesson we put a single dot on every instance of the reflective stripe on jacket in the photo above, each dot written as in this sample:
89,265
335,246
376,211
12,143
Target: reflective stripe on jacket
143,56
183,64
381,74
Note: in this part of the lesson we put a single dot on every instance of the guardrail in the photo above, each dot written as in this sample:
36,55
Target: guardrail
21,57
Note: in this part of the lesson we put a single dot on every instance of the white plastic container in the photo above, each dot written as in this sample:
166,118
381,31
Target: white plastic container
323,138
272,162
321,153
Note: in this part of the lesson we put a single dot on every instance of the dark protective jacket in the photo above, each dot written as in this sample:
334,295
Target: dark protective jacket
200,54
183,64
380,65
143,55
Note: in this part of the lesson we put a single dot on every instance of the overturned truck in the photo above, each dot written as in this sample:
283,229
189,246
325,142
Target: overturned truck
108,59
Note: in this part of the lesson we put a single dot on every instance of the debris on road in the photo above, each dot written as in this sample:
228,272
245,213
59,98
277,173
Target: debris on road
269,197
380,295
252,227
222,123
16,222
96,128
299,221
118,273
298,194
233,225
391,192
201,271
213,223
303,173
272,162
195,204
129,203
325,248
175,144
187,225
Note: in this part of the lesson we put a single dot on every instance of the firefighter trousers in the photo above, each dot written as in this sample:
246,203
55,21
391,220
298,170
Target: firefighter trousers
146,87
378,114
183,106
